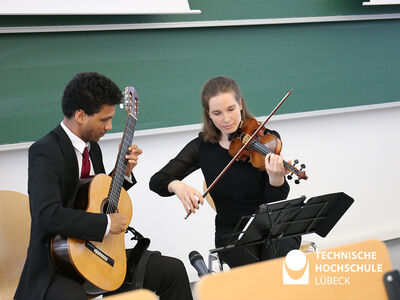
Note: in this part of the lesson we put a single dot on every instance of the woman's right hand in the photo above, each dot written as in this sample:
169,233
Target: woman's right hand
189,196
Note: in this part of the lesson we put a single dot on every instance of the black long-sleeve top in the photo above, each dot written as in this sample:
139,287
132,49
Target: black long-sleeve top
238,193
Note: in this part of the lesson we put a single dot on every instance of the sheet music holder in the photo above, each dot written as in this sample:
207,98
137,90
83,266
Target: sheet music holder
288,218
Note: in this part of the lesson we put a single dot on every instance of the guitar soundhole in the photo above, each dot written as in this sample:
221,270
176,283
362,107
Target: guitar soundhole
104,207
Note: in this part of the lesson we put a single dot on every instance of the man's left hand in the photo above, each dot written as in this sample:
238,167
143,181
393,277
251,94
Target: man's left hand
132,158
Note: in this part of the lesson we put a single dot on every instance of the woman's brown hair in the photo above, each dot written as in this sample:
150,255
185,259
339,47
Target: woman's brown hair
212,88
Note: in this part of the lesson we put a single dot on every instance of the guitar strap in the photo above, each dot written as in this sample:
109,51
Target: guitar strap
137,259
138,279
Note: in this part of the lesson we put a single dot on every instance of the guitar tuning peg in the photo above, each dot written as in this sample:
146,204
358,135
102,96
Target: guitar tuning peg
121,106
290,176
297,181
296,161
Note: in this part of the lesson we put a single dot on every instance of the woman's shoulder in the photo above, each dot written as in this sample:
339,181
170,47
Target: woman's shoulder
202,142
193,146
198,140
199,143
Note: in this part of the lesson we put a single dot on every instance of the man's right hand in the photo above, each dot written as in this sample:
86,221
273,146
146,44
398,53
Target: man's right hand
118,223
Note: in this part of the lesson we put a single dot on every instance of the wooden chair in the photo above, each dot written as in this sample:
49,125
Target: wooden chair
15,223
264,280
141,294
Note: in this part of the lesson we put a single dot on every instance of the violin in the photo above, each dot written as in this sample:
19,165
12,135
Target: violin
262,144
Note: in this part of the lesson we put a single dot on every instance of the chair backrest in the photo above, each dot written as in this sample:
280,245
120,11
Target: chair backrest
208,197
141,294
272,280
15,223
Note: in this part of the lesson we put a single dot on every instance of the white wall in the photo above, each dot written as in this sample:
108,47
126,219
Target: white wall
355,152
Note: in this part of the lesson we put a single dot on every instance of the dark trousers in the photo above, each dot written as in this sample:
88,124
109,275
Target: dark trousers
240,256
164,275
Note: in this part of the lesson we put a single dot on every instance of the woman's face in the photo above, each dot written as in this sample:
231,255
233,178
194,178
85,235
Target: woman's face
225,112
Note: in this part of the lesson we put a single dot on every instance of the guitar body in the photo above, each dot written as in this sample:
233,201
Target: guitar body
101,264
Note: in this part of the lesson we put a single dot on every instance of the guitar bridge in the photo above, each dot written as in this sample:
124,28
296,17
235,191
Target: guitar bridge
99,253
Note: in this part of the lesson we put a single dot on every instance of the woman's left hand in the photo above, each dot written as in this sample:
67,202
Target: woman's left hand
275,169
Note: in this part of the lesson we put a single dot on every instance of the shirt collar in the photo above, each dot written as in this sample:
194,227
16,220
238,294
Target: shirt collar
78,144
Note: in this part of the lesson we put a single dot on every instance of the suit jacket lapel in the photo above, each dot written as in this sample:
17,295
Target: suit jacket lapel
71,162
68,152
70,155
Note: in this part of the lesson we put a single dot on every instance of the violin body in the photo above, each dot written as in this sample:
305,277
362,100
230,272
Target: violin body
256,158
262,144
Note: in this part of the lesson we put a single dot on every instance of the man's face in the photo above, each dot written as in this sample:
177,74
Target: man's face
96,125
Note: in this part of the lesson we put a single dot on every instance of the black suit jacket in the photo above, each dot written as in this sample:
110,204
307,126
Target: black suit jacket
53,178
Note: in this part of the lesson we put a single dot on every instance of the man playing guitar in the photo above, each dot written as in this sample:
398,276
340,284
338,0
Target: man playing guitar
56,163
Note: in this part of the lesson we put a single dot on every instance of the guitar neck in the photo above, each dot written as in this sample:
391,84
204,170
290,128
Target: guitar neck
120,166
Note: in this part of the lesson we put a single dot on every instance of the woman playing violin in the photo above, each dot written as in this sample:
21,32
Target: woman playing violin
242,188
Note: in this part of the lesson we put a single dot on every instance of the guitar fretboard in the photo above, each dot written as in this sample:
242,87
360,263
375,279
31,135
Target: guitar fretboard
120,166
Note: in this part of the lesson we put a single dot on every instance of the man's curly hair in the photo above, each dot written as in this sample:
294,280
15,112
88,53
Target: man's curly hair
89,91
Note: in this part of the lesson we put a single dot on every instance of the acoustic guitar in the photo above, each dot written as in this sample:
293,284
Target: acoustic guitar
101,266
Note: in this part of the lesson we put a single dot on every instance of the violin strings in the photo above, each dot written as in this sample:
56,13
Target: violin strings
261,148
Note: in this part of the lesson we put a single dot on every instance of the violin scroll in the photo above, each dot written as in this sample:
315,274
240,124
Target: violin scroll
300,173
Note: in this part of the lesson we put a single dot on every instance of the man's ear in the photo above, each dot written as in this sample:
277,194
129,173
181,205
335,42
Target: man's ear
80,116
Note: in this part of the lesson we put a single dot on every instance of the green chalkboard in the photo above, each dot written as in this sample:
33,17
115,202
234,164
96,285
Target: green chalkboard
219,10
329,65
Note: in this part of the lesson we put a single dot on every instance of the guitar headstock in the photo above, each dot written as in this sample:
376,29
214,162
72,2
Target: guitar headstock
131,101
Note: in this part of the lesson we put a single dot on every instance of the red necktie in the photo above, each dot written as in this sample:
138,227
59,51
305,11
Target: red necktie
85,164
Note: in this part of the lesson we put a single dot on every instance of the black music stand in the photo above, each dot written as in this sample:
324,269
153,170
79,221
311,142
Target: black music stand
287,218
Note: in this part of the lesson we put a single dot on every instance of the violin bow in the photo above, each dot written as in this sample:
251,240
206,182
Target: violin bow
243,147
